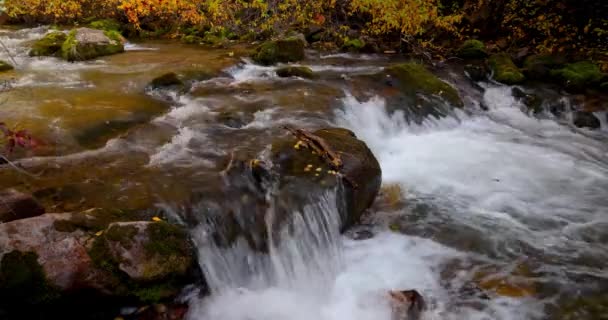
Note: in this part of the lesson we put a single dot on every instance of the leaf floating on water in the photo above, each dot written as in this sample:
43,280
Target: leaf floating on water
98,234
156,219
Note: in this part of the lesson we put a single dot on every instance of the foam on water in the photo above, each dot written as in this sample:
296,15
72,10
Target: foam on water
182,150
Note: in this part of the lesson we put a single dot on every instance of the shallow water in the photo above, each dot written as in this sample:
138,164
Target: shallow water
500,214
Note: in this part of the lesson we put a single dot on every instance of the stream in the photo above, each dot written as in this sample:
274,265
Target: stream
489,214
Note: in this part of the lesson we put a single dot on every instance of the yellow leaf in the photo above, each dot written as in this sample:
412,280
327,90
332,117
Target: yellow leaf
156,219
99,233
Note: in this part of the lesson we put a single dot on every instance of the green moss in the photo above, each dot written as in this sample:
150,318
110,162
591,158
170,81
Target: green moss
5,66
505,70
106,25
192,39
97,219
285,50
122,234
414,77
472,49
302,72
71,50
540,66
579,74
23,281
212,39
155,293
166,239
353,45
49,45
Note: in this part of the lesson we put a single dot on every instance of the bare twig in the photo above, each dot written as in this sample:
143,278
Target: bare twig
8,52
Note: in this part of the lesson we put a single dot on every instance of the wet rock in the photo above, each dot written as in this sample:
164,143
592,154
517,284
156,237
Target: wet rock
146,261
15,205
234,119
539,67
472,49
583,119
413,77
476,72
302,183
578,75
406,305
166,81
49,45
86,44
285,50
532,101
314,34
505,70
301,72
5,66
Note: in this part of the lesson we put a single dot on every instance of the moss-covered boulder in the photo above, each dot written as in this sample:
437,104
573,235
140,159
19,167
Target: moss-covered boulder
353,45
147,261
539,67
23,280
284,50
5,66
292,71
472,49
86,44
49,45
476,72
579,75
415,78
505,70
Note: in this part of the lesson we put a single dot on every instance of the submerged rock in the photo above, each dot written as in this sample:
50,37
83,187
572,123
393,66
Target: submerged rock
532,101
86,44
167,80
49,45
583,119
5,66
301,72
476,72
472,49
505,70
284,50
15,205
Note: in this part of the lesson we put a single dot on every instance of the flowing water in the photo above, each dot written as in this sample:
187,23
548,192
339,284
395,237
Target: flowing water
494,214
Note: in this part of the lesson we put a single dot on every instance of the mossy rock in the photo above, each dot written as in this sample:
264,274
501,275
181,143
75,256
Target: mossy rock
532,101
212,39
353,45
166,80
106,25
292,71
505,70
49,45
97,219
472,49
583,119
476,72
539,66
414,77
579,75
284,50
86,44
5,66
192,39
23,281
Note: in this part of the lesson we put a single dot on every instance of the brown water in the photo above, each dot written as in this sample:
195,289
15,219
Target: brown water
500,215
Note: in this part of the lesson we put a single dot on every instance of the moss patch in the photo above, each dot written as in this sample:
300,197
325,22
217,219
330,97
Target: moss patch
414,77
192,39
353,45
22,280
49,45
285,50
106,25
472,49
540,66
97,219
505,70
301,72
579,74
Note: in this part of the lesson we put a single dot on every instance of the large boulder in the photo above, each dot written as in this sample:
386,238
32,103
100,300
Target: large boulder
73,252
49,45
86,44
284,50
262,199
579,75
539,66
505,70
15,205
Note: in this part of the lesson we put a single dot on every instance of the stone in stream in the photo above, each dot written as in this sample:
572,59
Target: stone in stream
294,178
5,66
472,49
49,45
73,252
583,119
505,70
579,75
539,67
406,305
476,72
284,50
15,205
86,44
293,71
